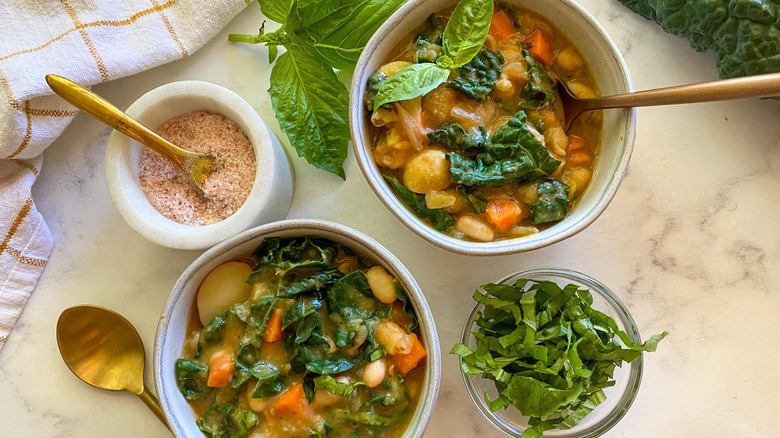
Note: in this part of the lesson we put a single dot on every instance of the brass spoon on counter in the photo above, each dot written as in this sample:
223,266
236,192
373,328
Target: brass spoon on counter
195,165
103,349
767,85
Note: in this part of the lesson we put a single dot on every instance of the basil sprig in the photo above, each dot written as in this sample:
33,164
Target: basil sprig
309,100
463,38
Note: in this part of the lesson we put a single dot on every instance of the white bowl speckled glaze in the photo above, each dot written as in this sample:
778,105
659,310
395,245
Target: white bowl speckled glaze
271,194
617,141
172,329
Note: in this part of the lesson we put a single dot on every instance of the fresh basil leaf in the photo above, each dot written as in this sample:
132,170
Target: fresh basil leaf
192,378
440,219
336,31
552,202
452,135
276,10
478,77
540,87
311,106
412,81
467,30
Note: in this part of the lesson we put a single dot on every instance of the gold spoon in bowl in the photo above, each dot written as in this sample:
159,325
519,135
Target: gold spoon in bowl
195,165
104,350
767,85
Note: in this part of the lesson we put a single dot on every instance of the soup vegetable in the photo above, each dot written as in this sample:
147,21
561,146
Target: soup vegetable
303,338
469,129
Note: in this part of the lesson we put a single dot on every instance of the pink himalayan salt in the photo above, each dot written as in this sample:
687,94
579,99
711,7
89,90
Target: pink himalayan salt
226,188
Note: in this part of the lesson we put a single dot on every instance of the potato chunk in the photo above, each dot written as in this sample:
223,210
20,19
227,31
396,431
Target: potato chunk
427,171
224,286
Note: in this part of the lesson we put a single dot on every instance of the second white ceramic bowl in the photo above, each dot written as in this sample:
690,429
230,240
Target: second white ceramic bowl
271,194
172,329
617,140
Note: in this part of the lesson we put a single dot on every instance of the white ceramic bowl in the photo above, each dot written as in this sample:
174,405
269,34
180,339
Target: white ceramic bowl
171,331
612,77
271,194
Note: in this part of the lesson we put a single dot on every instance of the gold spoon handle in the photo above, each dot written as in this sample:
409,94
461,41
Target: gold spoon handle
767,85
103,111
153,404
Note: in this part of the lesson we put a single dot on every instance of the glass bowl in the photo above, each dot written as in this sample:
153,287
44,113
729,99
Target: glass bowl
619,397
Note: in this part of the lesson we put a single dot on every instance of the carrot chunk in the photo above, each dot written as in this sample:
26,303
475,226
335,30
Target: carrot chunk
575,144
292,402
501,26
221,371
404,363
273,329
503,213
540,47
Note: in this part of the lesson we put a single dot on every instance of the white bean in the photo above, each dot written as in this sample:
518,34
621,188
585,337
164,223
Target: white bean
374,372
568,59
475,228
427,171
381,284
391,336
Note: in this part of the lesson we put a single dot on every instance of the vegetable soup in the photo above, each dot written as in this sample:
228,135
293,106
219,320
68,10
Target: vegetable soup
469,126
302,338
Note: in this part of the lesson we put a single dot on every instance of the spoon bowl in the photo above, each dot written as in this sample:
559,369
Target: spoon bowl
767,85
104,350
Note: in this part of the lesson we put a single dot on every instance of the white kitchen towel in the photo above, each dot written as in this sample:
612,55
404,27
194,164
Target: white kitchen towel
88,41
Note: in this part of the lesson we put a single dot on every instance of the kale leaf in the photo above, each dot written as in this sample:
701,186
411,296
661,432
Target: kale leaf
440,219
372,88
192,378
428,44
513,155
270,381
548,351
539,90
478,77
552,202
474,199
284,255
452,135
744,34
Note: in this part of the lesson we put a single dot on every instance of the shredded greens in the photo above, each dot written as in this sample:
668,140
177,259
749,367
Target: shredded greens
549,352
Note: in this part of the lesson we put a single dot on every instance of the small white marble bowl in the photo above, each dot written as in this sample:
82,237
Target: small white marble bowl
617,140
172,328
271,194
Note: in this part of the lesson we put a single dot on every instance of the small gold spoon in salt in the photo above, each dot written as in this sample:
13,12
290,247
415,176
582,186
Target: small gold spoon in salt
195,165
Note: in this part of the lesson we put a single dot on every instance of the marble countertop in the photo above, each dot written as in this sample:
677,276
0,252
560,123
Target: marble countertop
691,244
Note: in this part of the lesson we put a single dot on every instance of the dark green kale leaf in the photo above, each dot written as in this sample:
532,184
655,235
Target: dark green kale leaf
243,421
744,34
549,353
333,386
284,255
215,421
351,298
303,307
540,88
552,202
334,363
312,283
372,88
474,199
440,219
255,317
513,155
452,135
192,378
213,333
478,77
429,42
270,381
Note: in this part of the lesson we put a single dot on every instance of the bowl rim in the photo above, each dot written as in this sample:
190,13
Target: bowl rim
501,247
636,367
427,401
272,169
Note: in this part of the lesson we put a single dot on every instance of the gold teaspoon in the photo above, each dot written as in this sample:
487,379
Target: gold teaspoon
195,165
104,350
